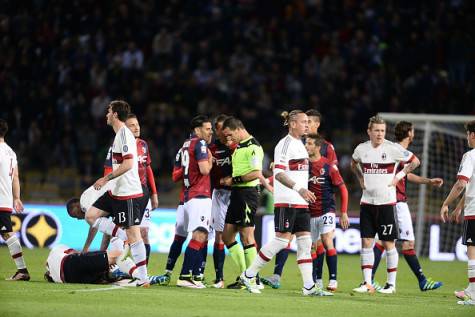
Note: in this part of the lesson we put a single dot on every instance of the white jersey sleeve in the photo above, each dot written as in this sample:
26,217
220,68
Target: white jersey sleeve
357,153
54,262
291,158
128,184
8,164
466,171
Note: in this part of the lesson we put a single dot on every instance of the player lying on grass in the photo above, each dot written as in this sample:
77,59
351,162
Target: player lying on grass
66,265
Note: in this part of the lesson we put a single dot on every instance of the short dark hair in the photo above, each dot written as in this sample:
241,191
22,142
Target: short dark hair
317,138
131,116
69,205
401,130
220,118
314,113
198,121
3,128
233,123
122,108
470,126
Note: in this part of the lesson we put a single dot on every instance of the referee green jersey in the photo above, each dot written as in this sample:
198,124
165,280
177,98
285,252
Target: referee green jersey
247,157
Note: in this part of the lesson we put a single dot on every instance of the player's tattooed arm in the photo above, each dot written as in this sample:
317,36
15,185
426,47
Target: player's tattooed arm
455,192
286,181
356,168
455,216
406,170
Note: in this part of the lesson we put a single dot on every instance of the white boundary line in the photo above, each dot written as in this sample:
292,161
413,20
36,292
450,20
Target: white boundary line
114,287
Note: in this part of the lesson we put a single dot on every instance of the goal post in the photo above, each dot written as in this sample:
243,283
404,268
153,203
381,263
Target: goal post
439,143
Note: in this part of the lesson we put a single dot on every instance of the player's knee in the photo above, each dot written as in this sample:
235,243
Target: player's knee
328,241
200,234
90,217
408,245
367,243
7,235
144,233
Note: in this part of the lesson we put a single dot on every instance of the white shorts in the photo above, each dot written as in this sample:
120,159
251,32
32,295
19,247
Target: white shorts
219,208
147,219
404,221
197,214
321,225
180,228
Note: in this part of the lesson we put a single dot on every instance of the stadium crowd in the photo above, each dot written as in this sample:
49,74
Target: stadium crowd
62,62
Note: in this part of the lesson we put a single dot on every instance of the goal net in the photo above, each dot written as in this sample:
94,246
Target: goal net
439,143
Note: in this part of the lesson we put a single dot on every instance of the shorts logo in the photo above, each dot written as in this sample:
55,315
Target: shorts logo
125,148
286,225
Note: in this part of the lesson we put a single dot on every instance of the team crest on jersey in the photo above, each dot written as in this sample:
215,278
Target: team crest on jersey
125,148
383,156
322,171
144,149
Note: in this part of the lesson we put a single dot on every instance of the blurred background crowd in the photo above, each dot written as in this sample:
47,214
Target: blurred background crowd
62,62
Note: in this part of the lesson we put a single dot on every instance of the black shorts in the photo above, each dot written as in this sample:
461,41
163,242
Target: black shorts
6,222
291,219
242,206
380,219
468,237
87,268
124,213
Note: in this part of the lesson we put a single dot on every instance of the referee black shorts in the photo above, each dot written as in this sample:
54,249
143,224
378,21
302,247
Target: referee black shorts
242,206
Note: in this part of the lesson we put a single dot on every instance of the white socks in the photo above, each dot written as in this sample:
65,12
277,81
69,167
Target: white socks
137,250
266,253
367,261
471,278
304,260
14,247
392,258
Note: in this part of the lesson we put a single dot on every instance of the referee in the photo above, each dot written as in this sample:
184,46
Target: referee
246,176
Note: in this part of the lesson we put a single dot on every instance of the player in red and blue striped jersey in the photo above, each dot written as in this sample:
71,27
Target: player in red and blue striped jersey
222,150
180,230
196,161
324,179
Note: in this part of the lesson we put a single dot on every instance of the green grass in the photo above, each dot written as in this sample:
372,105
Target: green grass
39,298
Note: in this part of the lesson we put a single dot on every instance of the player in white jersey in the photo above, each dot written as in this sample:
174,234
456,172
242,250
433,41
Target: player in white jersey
77,208
465,181
66,265
291,197
404,134
123,201
374,163
9,200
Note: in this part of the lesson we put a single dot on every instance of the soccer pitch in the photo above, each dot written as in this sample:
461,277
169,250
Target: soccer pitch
39,298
